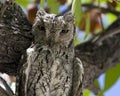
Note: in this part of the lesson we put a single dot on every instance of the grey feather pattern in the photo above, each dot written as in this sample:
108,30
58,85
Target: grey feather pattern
50,69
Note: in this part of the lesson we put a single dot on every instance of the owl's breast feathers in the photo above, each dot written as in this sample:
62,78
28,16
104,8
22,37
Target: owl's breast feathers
49,72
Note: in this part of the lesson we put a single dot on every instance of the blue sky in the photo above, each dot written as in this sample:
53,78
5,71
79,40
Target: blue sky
114,90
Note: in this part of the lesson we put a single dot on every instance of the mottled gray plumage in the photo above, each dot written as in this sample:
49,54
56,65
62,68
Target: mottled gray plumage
52,67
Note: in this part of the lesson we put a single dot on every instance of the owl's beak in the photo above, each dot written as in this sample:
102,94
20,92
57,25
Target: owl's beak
51,40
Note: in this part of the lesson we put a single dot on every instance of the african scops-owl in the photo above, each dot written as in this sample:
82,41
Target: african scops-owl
52,68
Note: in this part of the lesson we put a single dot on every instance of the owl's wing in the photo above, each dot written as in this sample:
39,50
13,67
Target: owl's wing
77,77
21,77
20,83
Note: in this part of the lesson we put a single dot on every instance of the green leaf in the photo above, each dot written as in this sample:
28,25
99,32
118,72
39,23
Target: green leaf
77,11
111,77
86,92
111,17
87,28
42,2
23,3
96,82
102,1
101,93
110,1
53,5
76,41
86,1
118,6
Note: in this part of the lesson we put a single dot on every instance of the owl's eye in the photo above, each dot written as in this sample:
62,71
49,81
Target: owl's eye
64,31
42,28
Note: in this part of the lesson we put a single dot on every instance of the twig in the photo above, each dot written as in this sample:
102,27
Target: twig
91,6
100,17
6,86
106,35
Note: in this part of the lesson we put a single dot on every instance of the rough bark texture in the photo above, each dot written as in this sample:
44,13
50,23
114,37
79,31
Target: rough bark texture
97,55
100,54
15,38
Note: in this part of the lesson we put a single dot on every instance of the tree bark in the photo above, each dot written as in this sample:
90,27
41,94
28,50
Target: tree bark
4,93
15,38
98,55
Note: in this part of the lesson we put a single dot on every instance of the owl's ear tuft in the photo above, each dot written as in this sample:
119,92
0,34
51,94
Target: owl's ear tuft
68,17
41,12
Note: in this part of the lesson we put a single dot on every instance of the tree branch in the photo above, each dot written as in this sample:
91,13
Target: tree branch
100,54
15,38
91,6
103,10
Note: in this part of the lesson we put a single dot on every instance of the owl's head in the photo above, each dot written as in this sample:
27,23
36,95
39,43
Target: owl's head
51,29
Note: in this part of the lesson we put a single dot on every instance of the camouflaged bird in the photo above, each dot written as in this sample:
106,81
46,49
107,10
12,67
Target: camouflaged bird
52,68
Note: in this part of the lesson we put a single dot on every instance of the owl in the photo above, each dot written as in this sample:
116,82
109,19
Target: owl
52,68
